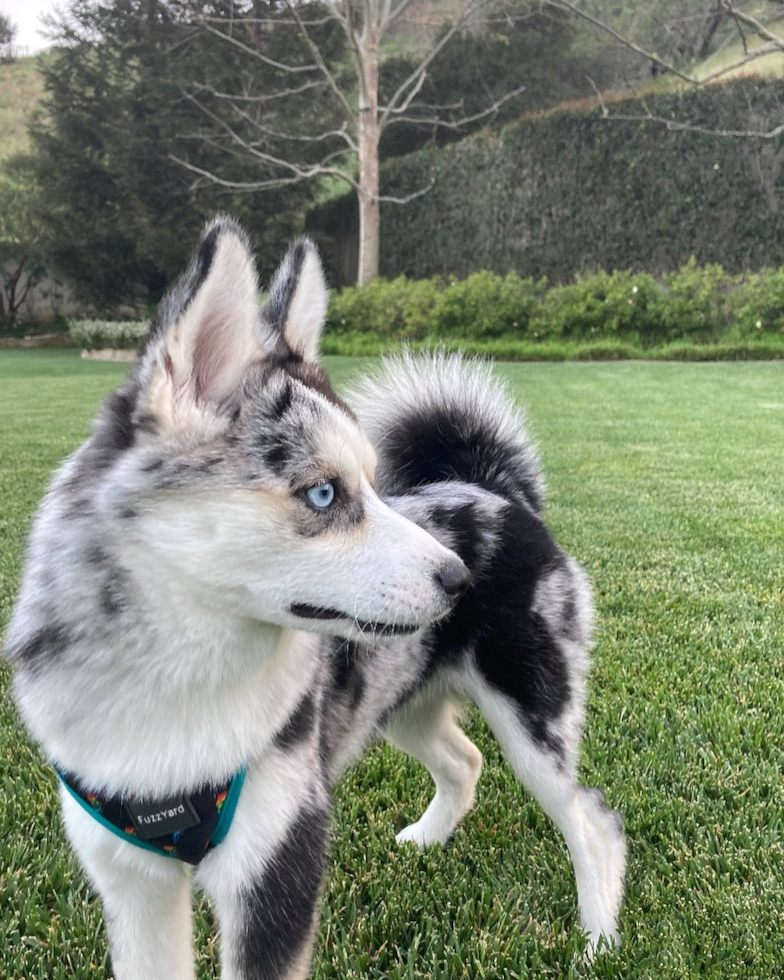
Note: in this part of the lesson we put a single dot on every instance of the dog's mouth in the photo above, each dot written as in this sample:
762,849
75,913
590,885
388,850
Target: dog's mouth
305,611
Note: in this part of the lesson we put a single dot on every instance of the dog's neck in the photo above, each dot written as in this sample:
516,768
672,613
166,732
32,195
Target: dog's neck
223,689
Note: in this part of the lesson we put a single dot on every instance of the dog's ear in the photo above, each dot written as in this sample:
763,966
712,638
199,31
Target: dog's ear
296,309
205,334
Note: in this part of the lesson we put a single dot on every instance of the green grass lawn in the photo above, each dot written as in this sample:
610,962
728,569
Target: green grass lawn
667,482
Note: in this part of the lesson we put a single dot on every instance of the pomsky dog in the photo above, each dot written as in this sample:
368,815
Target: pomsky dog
239,575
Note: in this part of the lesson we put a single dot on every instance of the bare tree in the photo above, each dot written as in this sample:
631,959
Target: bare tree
349,150
364,24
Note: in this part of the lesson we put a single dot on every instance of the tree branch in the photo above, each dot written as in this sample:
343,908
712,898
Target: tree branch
408,100
264,185
675,126
320,63
293,69
759,28
272,21
469,8
578,12
301,173
391,15
458,123
760,52
294,137
774,41
284,93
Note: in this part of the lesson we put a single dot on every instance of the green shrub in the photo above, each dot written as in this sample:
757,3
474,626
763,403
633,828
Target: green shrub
486,305
770,349
387,308
607,304
99,334
758,304
32,328
698,303
606,315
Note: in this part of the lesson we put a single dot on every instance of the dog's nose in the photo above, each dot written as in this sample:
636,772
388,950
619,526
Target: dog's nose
453,577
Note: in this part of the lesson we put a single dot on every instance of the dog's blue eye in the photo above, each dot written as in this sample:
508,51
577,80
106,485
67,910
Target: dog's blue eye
321,496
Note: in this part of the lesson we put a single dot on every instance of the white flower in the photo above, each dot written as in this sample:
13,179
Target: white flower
634,289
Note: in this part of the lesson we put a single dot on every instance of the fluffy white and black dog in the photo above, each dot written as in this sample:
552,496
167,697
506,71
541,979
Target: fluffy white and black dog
238,580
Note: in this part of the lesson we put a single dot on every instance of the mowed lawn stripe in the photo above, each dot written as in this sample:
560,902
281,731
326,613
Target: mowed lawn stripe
667,482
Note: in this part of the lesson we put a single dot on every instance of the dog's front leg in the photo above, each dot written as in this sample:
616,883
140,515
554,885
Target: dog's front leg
265,879
146,900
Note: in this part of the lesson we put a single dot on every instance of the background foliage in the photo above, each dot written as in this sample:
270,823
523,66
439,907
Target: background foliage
569,191
700,303
696,312
119,215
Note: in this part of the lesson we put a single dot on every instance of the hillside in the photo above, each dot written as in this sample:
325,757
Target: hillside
21,89
769,65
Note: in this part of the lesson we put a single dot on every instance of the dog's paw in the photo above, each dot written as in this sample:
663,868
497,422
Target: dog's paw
421,834
600,943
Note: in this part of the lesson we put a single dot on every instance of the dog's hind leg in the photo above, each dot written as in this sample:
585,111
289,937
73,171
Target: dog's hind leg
427,730
146,900
593,833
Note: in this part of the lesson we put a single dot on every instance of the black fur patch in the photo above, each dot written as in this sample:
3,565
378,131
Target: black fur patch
436,445
345,693
283,288
208,464
463,526
311,375
299,726
114,592
512,646
276,450
48,642
348,675
280,908
115,433
112,602
118,433
97,557
78,507
281,403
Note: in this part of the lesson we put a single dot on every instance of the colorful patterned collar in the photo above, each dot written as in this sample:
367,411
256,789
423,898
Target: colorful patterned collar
186,827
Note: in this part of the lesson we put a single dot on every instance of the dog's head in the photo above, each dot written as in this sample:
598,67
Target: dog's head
249,484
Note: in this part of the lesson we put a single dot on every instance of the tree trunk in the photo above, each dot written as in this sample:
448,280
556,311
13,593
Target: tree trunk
369,209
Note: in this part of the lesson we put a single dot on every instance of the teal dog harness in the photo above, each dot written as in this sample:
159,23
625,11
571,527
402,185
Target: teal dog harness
186,827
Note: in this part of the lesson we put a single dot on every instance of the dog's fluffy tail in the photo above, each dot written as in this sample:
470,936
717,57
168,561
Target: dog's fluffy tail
440,417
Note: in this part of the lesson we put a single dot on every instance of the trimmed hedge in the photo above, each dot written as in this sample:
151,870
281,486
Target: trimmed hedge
570,192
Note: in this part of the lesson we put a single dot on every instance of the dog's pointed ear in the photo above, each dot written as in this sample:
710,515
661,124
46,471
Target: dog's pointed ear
295,312
206,332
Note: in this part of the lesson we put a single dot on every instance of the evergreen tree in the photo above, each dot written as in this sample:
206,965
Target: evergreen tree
120,216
